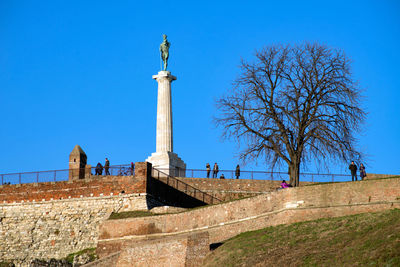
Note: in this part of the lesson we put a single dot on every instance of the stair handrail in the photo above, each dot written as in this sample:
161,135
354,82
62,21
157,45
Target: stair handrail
168,176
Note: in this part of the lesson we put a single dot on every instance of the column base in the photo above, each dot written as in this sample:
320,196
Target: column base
168,163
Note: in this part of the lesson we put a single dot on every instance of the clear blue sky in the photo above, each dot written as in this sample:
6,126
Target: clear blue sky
79,72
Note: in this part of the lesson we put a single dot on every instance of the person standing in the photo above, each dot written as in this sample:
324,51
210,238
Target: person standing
132,169
99,169
353,170
237,171
208,168
363,174
107,167
215,170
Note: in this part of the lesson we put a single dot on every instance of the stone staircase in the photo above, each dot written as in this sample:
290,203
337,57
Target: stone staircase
184,239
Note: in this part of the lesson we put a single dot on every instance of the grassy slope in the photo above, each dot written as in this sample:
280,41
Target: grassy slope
369,239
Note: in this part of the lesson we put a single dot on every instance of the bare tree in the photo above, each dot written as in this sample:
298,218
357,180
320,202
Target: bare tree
293,105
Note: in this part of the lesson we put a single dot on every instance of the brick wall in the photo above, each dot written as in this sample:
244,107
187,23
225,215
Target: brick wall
229,189
229,219
93,187
183,250
379,176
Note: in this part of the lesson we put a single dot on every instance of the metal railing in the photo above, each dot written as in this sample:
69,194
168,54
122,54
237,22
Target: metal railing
259,175
184,187
63,175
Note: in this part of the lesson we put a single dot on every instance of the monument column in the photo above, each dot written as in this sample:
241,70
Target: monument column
164,142
164,159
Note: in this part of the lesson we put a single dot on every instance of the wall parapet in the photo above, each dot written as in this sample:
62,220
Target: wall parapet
93,187
324,195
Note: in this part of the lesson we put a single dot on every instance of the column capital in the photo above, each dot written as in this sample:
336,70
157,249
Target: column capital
164,75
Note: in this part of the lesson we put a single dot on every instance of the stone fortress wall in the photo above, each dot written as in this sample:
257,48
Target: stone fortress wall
51,220
54,219
56,228
134,239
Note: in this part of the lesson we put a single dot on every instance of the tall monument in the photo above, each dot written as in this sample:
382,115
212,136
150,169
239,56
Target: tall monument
164,158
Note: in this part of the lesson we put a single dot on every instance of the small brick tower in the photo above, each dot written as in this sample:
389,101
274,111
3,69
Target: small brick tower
77,163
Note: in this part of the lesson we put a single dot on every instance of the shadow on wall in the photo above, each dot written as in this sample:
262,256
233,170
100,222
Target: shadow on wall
169,195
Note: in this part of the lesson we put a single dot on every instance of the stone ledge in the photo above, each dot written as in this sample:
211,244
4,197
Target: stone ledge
74,199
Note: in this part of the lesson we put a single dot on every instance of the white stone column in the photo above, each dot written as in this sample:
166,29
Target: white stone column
164,158
164,137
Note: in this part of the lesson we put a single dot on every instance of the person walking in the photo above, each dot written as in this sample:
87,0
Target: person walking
215,170
208,168
107,167
353,170
237,171
363,174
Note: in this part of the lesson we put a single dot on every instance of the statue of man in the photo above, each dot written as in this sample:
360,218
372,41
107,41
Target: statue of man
164,50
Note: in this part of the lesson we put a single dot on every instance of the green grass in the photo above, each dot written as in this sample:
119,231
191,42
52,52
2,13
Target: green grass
90,251
369,239
6,264
131,214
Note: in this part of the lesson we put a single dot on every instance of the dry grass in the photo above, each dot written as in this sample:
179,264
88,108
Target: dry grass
370,239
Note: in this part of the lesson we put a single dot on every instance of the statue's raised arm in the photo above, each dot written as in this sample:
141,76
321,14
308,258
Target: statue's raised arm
164,49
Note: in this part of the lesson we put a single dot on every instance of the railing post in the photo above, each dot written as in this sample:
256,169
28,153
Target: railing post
37,177
312,178
251,175
333,179
19,177
55,174
2,179
192,173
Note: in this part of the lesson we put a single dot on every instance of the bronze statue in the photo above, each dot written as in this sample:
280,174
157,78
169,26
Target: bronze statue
164,50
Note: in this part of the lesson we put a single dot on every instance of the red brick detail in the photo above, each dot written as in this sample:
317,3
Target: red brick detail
94,187
89,187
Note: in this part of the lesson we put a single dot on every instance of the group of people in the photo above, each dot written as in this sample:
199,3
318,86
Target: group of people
99,168
353,170
216,170
122,171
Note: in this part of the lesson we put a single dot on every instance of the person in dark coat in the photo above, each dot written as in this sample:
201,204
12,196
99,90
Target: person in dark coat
237,171
222,176
132,169
99,169
363,174
107,167
215,170
353,170
208,168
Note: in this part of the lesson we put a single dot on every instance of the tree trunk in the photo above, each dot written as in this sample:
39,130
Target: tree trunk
294,173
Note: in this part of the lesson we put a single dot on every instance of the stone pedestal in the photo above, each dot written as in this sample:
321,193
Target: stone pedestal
168,162
164,158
